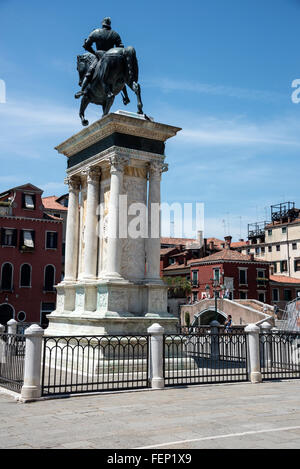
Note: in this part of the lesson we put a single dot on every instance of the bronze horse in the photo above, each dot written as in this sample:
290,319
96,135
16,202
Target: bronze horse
117,68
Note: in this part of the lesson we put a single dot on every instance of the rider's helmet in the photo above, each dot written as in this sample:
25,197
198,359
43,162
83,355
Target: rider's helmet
106,23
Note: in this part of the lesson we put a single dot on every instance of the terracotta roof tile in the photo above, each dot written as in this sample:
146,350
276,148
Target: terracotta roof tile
226,255
284,279
51,204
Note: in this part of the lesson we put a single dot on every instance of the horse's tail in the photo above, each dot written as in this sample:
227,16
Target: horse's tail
132,64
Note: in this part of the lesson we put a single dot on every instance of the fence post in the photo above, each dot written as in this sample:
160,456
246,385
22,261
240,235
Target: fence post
267,344
156,332
12,327
254,356
32,366
214,346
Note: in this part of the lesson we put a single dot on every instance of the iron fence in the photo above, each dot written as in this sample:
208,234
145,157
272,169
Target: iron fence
12,354
280,355
95,363
205,358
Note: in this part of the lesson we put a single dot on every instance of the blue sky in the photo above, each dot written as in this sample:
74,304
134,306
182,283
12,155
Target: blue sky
220,69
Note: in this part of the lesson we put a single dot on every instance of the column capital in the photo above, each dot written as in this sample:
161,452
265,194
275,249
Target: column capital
118,163
92,174
156,168
73,183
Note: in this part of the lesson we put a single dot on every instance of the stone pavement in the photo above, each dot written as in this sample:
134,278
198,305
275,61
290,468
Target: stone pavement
239,415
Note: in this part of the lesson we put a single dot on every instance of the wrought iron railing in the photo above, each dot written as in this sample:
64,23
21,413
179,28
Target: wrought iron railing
205,358
12,354
280,355
95,363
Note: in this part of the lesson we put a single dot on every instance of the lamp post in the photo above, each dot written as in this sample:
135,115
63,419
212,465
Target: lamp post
217,287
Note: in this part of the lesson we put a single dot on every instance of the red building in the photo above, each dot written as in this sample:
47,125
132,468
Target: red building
30,256
231,274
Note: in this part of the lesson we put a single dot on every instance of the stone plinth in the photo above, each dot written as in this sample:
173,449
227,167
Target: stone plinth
112,281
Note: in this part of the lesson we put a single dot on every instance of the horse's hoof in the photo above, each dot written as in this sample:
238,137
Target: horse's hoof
85,122
126,101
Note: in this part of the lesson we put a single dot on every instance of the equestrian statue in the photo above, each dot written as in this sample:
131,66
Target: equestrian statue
104,73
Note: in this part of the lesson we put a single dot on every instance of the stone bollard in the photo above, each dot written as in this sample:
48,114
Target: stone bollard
214,345
32,368
266,345
252,332
156,332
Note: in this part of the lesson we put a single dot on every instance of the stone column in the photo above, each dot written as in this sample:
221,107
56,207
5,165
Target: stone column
72,231
154,225
253,353
113,269
90,234
31,388
156,332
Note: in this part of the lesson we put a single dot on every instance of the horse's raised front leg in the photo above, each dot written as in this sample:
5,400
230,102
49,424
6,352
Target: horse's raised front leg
84,104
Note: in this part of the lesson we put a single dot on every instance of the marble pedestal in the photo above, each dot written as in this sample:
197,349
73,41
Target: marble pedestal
112,281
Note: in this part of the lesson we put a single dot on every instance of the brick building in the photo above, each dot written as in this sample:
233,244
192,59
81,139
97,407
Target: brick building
30,256
235,276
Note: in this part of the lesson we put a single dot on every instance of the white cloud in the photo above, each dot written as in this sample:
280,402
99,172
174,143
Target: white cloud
169,85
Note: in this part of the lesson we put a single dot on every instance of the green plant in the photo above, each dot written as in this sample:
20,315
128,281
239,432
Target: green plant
187,319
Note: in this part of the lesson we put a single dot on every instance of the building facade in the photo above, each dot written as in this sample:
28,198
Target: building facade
278,241
30,256
230,274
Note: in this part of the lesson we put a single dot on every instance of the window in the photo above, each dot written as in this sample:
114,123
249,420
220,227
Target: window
278,247
6,313
287,295
51,240
294,245
171,261
283,230
27,240
257,251
243,277
263,250
270,248
217,275
25,280
262,297
243,295
195,297
195,277
275,267
275,294
21,316
8,237
49,278
28,201
283,266
7,277
297,265
270,232
47,308
261,275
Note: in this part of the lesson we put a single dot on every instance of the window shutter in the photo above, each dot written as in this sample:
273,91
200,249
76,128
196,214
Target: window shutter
23,201
15,237
2,236
55,240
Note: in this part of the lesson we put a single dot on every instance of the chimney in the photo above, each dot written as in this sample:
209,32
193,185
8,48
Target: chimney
200,238
211,245
228,242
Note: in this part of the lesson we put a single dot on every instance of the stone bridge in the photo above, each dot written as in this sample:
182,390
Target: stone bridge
243,312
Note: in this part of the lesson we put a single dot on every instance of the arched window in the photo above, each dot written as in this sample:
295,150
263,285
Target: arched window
49,278
25,276
7,277
6,313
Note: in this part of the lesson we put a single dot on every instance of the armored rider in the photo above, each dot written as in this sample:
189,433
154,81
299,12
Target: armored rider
105,38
